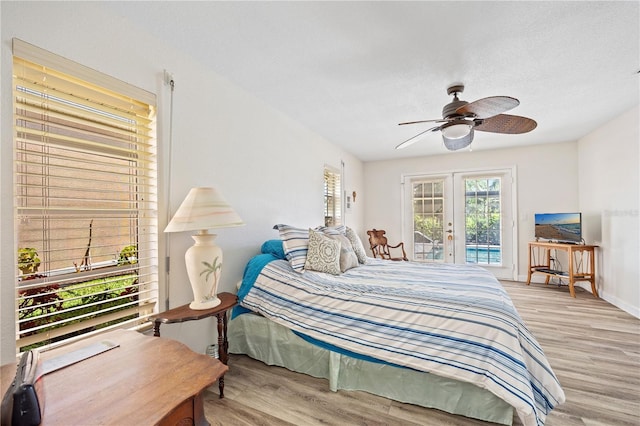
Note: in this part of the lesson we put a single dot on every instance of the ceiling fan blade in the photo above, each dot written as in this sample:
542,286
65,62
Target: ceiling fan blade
456,144
488,107
505,123
438,120
413,139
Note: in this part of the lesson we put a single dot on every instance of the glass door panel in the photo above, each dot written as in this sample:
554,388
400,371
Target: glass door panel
428,219
486,221
482,221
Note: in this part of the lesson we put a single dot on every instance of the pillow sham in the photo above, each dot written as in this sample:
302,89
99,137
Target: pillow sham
323,254
332,230
295,242
358,247
348,258
273,247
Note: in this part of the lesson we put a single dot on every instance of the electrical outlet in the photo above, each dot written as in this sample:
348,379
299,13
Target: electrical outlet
168,78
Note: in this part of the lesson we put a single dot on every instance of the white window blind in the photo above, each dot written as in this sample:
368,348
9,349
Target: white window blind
332,197
86,200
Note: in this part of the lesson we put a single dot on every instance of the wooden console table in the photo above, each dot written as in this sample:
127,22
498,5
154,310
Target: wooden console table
581,263
184,313
143,381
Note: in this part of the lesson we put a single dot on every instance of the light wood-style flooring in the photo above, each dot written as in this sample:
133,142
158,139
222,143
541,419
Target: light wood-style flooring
593,347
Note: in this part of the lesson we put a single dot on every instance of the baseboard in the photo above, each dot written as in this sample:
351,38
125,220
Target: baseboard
618,303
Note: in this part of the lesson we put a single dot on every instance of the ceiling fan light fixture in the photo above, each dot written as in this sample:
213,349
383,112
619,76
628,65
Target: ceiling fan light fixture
456,144
461,119
456,130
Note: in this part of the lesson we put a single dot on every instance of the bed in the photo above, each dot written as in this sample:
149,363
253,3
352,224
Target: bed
437,335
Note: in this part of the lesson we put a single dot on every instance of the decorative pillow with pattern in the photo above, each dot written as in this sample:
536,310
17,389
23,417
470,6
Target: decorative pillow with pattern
358,247
295,242
348,258
323,253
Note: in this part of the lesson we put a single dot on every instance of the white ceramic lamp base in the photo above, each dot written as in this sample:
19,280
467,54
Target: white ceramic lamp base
204,265
198,306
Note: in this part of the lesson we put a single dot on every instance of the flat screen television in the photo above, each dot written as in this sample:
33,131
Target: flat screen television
560,227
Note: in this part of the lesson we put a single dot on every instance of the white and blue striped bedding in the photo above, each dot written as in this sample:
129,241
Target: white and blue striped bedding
452,320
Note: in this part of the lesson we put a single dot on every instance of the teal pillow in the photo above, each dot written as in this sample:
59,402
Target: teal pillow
273,247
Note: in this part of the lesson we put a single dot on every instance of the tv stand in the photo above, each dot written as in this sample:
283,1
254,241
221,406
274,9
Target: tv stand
581,259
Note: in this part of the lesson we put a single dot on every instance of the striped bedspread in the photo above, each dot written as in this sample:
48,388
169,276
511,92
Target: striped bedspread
452,320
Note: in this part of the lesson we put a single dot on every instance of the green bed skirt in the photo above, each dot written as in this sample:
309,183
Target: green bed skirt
273,344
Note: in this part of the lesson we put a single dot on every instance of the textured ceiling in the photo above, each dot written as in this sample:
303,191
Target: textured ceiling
351,71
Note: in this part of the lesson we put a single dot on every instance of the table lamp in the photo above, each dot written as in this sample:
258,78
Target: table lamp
201,210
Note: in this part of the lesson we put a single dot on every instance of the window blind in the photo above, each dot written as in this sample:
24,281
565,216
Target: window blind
332,197
85,198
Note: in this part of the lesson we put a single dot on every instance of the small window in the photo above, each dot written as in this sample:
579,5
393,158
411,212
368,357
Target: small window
86,203
332,197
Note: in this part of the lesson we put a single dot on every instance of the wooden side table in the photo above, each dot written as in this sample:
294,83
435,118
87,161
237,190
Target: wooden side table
581,259
184,313
127,385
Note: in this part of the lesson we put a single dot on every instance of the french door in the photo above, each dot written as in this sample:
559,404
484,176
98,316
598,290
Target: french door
462,217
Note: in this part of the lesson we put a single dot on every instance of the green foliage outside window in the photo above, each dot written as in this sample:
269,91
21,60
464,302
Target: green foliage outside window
28,260
51,304
128,255
430,226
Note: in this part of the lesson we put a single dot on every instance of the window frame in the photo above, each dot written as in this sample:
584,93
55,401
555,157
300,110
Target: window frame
140,268
333,196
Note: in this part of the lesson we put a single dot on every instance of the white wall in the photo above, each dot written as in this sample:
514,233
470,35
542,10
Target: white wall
546,182
268,167
609,170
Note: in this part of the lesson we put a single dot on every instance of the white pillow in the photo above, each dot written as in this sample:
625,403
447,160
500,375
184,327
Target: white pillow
358,247
323,253
348,258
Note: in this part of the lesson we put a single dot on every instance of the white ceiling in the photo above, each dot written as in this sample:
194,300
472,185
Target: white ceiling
351,71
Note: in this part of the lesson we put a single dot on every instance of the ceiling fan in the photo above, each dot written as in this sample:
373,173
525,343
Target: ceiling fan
460,119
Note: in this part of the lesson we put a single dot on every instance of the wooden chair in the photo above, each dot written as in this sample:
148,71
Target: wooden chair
381,248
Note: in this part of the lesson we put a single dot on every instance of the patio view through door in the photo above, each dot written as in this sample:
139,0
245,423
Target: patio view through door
461,218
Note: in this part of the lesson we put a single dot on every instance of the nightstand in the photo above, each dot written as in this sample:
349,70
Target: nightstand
184,313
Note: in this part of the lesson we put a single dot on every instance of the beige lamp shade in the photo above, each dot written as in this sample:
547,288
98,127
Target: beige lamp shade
203,209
